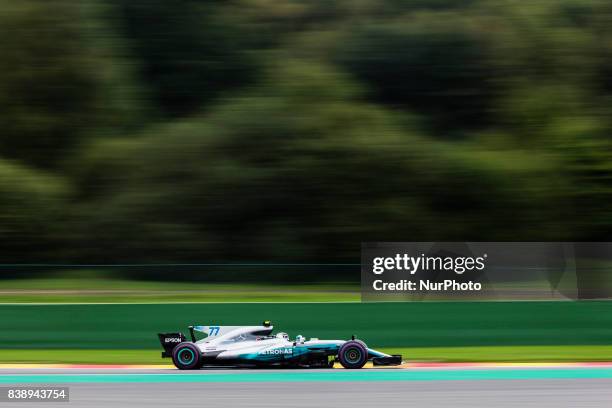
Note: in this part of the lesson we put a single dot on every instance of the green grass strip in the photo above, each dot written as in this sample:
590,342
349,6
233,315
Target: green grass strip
107,290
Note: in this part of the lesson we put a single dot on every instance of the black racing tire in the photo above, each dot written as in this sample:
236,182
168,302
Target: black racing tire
353,354
364,345
187,356
362,342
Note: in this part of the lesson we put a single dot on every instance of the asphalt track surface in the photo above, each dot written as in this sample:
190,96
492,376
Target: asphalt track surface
504,387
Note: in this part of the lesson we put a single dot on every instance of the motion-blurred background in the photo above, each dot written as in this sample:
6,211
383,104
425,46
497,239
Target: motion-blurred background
151,137
289,130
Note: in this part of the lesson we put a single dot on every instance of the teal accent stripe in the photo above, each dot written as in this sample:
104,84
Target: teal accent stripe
335,376
375,353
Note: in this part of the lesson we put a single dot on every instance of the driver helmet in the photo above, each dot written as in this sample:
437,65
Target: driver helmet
282,336
299,338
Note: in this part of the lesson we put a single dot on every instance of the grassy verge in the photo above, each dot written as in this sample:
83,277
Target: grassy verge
506,353
444,354
108,290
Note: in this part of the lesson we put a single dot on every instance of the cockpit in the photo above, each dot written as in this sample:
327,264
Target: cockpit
282,335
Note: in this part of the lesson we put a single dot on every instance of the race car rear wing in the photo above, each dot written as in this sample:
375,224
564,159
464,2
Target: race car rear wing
169,341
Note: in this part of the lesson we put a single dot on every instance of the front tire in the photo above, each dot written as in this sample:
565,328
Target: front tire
187,356
353,354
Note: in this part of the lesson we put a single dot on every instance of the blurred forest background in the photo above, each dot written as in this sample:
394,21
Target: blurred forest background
151,131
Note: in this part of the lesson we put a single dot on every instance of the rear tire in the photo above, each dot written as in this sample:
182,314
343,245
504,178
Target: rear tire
353,354
187,356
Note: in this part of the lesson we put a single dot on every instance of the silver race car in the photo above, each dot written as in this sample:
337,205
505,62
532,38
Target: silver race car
256,346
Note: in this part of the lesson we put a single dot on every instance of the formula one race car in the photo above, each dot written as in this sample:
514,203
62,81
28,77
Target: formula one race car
255,346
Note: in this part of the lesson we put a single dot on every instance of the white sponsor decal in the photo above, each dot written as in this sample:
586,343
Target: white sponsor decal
278,351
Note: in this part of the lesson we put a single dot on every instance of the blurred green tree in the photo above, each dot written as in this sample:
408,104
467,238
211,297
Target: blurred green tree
432,63
58,80
294,130
190,51
32,206
311,163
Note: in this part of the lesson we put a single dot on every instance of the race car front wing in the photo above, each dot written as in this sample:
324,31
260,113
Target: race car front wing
395,359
